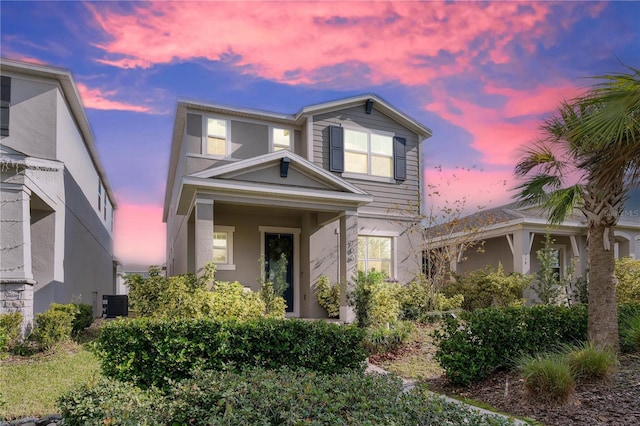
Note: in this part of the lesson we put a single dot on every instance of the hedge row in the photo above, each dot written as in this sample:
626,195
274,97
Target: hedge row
150,351
476,343
264,397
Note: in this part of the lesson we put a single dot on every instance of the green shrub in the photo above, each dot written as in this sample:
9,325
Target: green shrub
547,377
232,301
474,344
588,362
52,327
81,313
109,402
151,351
374,300
628,274
10,324
488,288
328,296
388,337
259,396
146,294
272,287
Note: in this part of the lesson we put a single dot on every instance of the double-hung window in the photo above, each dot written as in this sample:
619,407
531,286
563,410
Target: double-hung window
281,139
223,247
217,132
375,252
368,153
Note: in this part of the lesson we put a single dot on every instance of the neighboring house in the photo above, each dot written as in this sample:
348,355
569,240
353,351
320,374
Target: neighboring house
57,208
332,188
512,235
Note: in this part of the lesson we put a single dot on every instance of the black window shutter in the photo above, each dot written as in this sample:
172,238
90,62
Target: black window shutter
399,158
5,102
336,149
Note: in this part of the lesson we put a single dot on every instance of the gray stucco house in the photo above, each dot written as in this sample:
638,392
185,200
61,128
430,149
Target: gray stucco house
334,187
57,206
512,235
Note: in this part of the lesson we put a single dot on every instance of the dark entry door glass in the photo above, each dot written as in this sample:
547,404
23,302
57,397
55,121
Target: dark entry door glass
277,246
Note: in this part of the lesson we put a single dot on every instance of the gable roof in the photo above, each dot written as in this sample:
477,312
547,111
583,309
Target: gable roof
72,98
296,119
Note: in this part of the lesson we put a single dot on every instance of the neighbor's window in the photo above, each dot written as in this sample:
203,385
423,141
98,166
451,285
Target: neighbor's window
368,153
99,196
223,247
216,143
281,139
375,253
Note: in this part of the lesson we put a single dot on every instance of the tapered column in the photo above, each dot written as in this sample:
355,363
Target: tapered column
522,242
348,262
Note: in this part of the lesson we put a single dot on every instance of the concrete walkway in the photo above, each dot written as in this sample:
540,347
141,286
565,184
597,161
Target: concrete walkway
408,384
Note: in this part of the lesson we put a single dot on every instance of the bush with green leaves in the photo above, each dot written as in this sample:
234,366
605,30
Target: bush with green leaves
375,301
488,288
388,337
10,324
51,327
419,299
232,301
81,313
478,342
328,296
150,351
258,396
627,272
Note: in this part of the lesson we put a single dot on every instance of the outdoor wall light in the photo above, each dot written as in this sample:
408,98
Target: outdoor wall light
369,106
284,166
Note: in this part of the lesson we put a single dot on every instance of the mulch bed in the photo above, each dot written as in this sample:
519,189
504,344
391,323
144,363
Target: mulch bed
614,403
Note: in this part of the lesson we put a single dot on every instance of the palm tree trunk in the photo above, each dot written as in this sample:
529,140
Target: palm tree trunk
603,310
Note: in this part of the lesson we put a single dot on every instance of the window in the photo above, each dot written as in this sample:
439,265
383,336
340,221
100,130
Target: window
281,139
99,196
223,247
104,212
5,104
368,153
375,253
216,137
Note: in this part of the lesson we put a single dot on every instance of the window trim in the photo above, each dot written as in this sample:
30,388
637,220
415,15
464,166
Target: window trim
229,230
393,269
272,146
369,132
205,136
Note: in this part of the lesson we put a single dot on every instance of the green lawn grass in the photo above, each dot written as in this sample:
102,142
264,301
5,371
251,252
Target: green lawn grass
31,386
418,364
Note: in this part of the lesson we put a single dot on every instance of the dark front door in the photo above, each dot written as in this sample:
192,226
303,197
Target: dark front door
276,248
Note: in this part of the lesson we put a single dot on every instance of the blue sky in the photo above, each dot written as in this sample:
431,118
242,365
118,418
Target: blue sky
481,75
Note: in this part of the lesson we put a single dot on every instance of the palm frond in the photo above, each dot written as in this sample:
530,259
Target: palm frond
536,190
562,202
540,158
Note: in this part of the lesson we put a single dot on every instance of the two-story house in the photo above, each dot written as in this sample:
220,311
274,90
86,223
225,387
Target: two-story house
332,188
57,208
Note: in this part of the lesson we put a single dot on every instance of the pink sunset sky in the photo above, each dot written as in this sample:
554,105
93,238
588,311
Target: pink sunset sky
481,75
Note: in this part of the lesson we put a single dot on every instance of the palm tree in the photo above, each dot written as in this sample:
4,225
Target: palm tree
589,159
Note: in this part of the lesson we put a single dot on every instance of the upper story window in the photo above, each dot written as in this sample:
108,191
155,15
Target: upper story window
281,138
216,131
99,196
368,153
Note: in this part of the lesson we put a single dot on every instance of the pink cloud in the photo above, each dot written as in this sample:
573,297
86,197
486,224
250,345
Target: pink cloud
97,99
294,42
499,133
468,189
139,235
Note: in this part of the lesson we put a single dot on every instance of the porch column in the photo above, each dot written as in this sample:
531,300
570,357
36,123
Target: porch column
348,261
16,274
203,234
522,241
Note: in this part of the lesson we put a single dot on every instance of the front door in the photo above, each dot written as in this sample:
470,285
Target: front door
278,248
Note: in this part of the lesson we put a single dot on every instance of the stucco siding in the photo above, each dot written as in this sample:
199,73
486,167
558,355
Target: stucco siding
32,119
387,196
495,250
248,139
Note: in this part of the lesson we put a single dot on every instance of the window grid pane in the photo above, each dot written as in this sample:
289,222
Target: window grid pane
216,146
281,139
220,246
356,162
217,128
374,253
381,166
355,141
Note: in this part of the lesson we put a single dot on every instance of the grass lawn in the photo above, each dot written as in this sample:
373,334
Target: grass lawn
30,386
416,360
